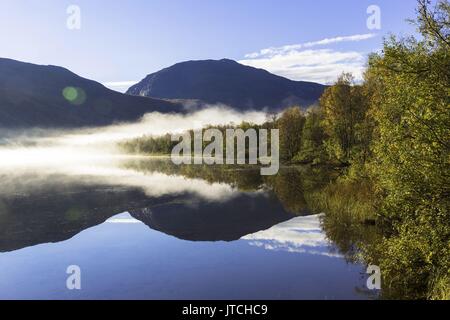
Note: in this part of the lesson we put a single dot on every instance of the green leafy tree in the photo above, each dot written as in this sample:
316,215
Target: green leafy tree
313,136
290,125
344,109
411,155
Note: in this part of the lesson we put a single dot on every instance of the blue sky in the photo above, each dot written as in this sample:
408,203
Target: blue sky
122,41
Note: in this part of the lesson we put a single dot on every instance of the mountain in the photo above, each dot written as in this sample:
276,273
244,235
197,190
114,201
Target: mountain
226,81
49,96
64,206
214,221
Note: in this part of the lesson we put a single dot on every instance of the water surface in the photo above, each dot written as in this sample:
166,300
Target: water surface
146,229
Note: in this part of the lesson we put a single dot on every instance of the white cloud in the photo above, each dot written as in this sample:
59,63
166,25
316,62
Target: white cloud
298,62
272,51
124,218
120,86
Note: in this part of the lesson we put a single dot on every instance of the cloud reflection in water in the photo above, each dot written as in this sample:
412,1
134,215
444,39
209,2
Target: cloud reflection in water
299,235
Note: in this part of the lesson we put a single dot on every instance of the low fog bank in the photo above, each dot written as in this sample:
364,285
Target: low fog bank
54,148
158,124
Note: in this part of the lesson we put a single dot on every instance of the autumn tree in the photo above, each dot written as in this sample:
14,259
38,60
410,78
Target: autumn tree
411,154
344,107
290,125
313,137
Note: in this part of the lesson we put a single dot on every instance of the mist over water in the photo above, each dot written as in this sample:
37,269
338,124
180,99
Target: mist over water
54,149
36,157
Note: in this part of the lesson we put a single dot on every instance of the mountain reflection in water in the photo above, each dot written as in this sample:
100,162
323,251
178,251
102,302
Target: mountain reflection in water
41,211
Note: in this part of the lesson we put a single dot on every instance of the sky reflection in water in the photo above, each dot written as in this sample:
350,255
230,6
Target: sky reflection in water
181,237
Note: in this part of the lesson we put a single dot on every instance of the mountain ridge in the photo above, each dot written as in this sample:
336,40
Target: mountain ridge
49,96
227,82
34,95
